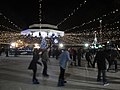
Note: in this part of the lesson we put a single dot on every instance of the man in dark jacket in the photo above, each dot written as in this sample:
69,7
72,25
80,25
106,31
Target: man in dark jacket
113,59
100,58
88,57
79,55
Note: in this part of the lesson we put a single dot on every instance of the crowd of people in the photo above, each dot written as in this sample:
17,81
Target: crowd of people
104,58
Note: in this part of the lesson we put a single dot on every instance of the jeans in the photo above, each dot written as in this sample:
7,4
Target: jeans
62,72
45,67
103,72
34,74
113,62
79,61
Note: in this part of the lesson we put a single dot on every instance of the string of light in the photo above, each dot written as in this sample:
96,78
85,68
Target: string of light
7,28
40,12
112,33
80,38
5,37
71,14
94,20
11,22
105,26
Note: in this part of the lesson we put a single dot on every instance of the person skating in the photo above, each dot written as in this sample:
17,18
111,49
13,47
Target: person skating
33,65
100,58
45,59
64,58
88,57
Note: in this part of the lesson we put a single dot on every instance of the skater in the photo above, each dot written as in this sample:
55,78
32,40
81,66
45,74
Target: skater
33,65
64,58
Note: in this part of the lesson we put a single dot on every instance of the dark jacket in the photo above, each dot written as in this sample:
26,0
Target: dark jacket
79,53
64,58
114,55
33,63
44,56
88,56
100,58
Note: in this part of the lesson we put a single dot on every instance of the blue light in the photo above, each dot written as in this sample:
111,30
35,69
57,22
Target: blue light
55,41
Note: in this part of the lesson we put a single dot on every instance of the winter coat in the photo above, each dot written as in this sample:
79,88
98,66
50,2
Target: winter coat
88,56
33,63
64,57
44,56
101,58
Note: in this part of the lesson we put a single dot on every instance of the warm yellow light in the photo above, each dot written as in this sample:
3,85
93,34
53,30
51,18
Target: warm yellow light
36,45
13,44
61,45
16,45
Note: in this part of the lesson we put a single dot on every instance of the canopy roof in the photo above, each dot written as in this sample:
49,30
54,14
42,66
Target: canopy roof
47,28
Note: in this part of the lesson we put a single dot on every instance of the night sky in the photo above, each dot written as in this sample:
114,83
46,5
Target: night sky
26,12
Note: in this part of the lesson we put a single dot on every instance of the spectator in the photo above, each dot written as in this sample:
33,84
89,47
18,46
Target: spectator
113,59
7,51
88,57
79,55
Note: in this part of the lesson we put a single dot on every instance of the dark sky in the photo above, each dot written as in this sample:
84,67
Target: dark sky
26,12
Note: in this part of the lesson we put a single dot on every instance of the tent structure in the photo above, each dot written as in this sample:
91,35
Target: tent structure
43,30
